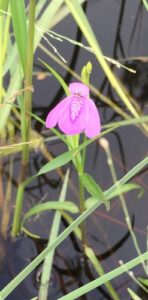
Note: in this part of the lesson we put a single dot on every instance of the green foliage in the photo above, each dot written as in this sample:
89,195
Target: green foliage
57,162
51,205
47,266
144,281
46,19
133,295
4,5
145,3
97,265
94,189
105,278
125,189
57,76
19,21
120,190
85,73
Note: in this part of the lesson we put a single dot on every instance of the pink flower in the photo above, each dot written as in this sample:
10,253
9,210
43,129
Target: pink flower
76,113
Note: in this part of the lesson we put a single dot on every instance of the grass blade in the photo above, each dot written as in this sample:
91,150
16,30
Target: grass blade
93,189
4,5
57,76
145,3
51,205
97,265
47,266
20,28
103,279
133,295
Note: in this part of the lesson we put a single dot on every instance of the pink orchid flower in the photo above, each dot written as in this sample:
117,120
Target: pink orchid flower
76,113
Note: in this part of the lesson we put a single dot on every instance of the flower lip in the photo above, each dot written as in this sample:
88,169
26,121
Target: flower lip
76,106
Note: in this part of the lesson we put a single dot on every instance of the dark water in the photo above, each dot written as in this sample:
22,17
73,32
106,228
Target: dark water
121,29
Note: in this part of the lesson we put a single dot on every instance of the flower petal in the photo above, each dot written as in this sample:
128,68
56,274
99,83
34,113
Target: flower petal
92,120
79,88
72,127
56,113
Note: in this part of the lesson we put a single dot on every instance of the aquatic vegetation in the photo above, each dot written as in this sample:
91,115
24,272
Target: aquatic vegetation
87,157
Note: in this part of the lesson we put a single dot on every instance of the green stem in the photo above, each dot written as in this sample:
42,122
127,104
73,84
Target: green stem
26,118
28,83
78,162
84,153
82,209
6,36
82,197
47,265
6,207
1,62
17,213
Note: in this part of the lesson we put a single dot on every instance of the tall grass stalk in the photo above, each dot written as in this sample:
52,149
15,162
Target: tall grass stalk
1,61
82,209
145,3
47,265
6,207
104,143
28,83
6,35
76,294
45,20
26,116
98,266
85,77
134,278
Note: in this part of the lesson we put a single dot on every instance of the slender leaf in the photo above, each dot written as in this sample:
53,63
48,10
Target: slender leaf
55,163
56,205
127,177
125,189
58,162
47,266
4,5
133,295
93,189
57,76
20,28
69,221
145,3
144,281
108,276
120,190
98,266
